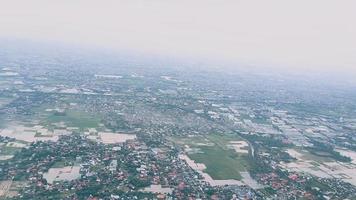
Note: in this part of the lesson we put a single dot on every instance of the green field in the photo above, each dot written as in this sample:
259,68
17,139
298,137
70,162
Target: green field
221,162
76,119
6,150
64,163
72,117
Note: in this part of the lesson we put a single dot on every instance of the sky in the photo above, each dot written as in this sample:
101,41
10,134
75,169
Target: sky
307,35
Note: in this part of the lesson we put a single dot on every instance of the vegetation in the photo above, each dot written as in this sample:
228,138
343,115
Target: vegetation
74,118
326,150
227,164
8,150
268,141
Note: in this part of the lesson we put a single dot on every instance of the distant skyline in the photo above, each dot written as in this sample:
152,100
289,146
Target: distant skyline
306,35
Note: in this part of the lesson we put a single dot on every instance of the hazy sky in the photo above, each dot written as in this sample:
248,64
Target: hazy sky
300,34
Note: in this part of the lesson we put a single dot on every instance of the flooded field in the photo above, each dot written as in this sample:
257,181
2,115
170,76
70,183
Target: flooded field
62,174
323,169
114,138
4,187
239,146
28,134
248,180
10,189
158,189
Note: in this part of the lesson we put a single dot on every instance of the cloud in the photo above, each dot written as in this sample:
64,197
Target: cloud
304,34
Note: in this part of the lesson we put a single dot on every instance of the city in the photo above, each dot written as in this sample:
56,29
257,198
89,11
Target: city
136,134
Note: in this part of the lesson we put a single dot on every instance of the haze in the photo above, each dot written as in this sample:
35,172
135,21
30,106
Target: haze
305,35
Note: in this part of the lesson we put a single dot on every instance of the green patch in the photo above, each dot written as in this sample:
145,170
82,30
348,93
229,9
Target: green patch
59,164
223,140
64,163
221,164
311,183
6,150
74,118
221,161
268,191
